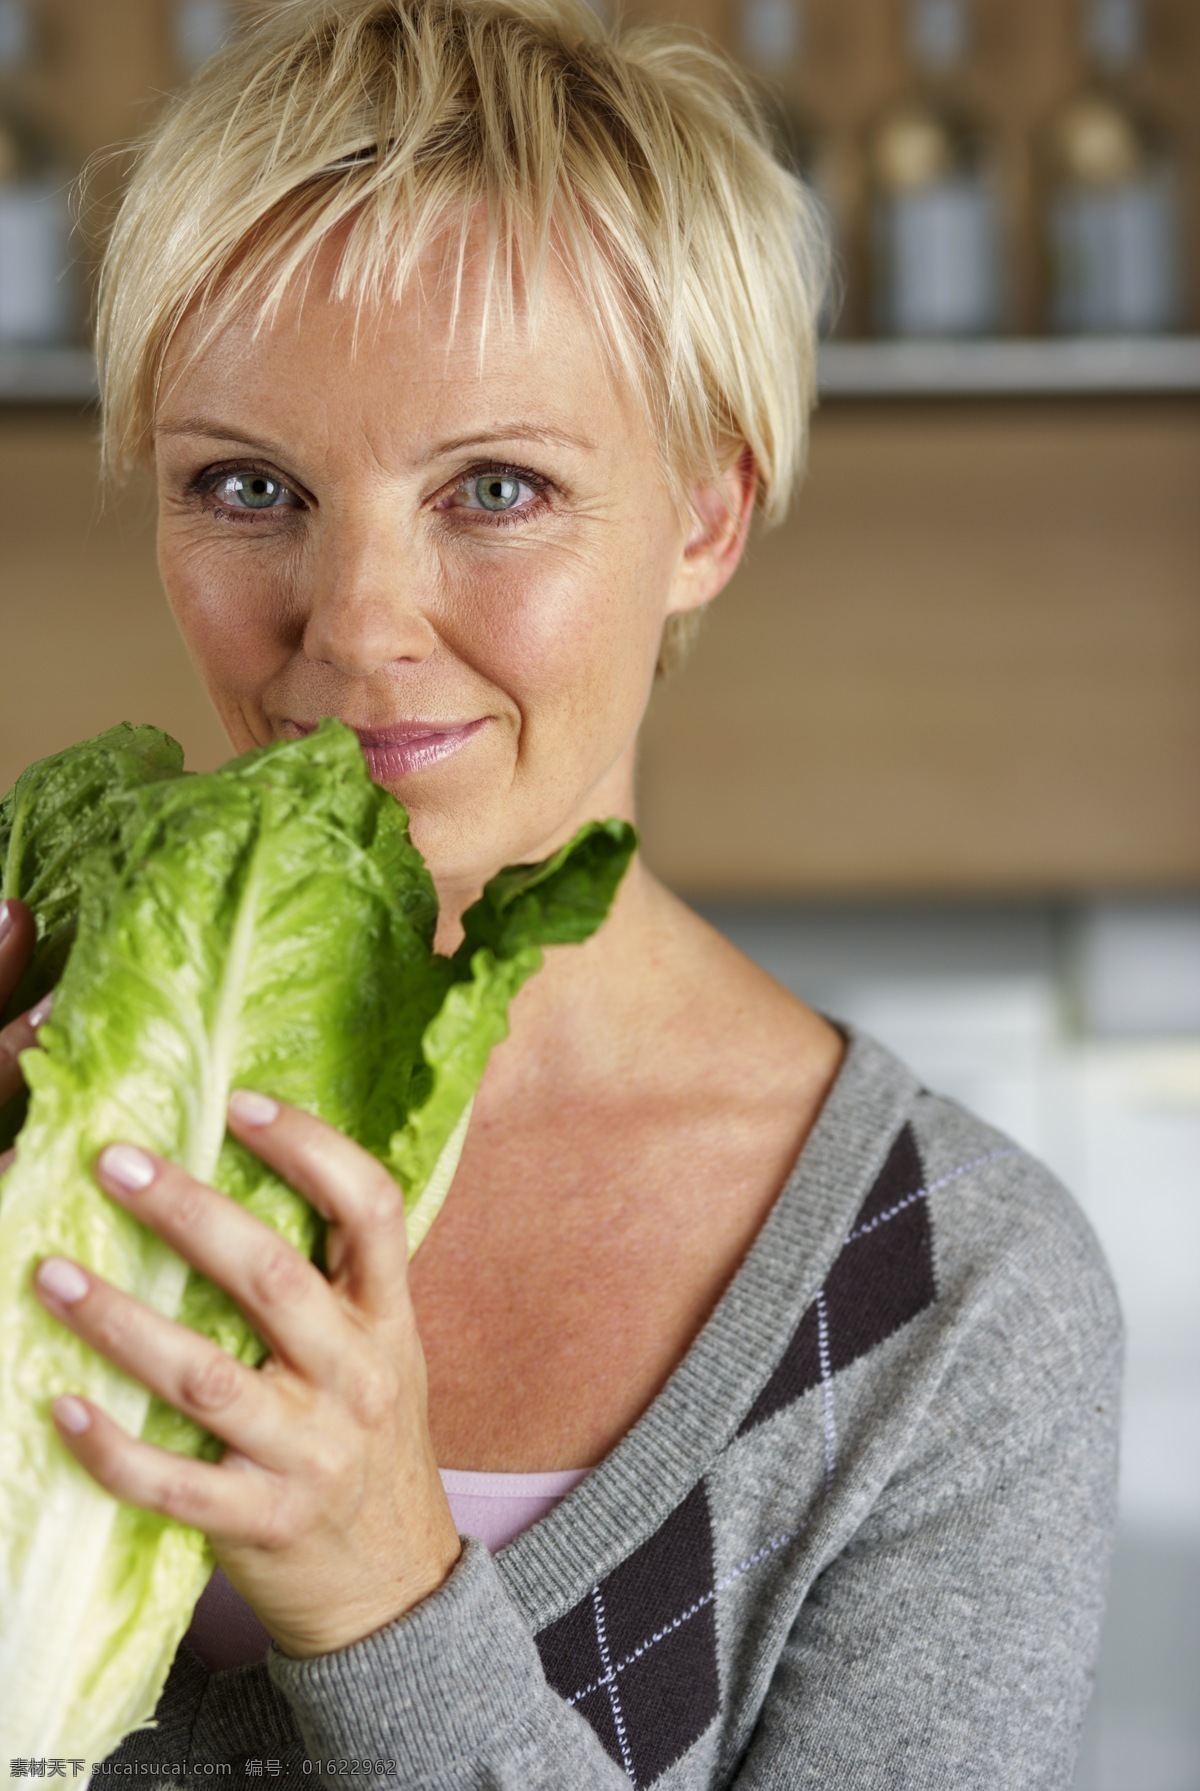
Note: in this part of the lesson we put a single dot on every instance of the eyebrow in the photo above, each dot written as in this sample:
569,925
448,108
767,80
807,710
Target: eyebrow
522,430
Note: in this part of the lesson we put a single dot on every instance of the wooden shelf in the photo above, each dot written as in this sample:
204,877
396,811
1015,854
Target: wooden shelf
1031,368
1098,367
966,665
47,376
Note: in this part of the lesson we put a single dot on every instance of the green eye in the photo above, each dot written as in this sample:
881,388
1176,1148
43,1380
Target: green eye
255,490
497,491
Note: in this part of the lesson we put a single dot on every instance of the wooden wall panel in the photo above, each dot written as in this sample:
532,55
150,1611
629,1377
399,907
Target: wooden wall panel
86,639
969,662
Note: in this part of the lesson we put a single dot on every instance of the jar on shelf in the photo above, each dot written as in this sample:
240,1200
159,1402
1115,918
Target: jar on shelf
934,218
1114,220
199,28
770,40
39,296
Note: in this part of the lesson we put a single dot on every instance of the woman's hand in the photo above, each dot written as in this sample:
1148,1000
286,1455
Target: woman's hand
326,1512
17,934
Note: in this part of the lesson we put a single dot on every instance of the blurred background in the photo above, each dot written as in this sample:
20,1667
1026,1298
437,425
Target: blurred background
936,761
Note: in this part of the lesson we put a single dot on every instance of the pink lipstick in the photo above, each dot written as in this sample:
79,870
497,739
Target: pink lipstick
407,746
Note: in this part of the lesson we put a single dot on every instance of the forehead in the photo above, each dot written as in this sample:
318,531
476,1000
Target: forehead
432,361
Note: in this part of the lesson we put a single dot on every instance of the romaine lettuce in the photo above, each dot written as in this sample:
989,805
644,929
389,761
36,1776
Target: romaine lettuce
58,811
270,926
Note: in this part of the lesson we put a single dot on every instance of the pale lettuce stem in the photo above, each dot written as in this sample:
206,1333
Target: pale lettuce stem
428,1203
54,1603
205,1149
56,1586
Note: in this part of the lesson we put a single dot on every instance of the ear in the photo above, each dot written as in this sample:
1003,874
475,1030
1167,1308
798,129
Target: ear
717,531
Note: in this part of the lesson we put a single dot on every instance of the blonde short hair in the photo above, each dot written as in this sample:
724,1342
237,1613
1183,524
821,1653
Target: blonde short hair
638,153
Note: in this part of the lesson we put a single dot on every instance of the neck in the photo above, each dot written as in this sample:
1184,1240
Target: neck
577,1022
611,796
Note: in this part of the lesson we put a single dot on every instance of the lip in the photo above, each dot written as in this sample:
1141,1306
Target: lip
405,746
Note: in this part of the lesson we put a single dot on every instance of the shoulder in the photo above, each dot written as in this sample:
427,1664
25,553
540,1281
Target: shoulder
928,1474
956,1292
1019,1272
1003,1233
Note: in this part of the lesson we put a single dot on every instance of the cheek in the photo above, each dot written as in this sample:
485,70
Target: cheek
568,633
230,621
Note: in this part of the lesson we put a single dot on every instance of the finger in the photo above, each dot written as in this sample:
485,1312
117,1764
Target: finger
20,1035
17,936
346,1184
225,1506
286,1299
7,1159
245,1409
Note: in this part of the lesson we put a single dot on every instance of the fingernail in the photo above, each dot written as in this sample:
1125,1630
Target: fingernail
129,1167
253,1109
62,1280
42,1010
6,921
72,1414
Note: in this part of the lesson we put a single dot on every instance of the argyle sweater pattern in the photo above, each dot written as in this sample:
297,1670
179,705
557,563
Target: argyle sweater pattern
860,1538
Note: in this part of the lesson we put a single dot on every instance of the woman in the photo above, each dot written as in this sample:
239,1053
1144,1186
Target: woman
464,337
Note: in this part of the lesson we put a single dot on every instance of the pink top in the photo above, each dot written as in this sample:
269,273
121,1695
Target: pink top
495,1507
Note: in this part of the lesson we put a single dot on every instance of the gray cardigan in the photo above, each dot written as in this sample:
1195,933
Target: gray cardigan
860,1539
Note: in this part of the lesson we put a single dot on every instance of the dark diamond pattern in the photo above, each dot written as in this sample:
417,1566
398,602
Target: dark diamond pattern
882,1278
647,1711
637,1657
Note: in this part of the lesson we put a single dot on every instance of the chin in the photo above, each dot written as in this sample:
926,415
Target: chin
460,849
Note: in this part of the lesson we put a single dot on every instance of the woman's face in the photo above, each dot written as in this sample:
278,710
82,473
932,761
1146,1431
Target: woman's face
470,568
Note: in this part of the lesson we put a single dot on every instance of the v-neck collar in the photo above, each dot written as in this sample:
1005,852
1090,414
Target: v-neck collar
624,1499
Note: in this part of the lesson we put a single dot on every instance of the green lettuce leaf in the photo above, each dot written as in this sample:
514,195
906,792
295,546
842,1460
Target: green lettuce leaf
271,926
60,809
558,902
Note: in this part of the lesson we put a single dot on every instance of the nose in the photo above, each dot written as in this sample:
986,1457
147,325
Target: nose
364,605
